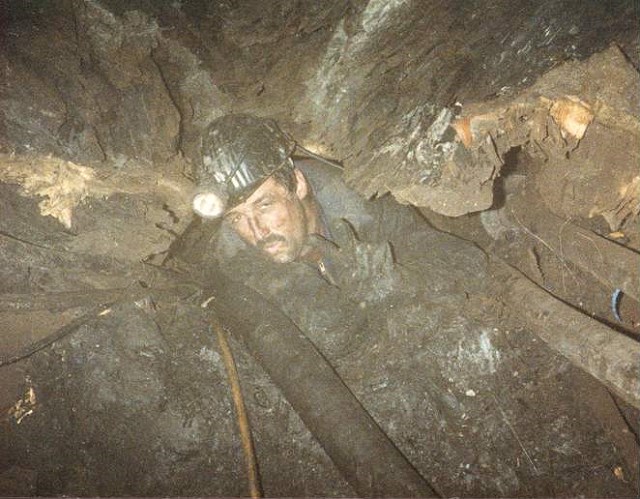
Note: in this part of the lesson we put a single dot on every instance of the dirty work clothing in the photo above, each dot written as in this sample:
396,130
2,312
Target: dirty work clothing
380,224
431,266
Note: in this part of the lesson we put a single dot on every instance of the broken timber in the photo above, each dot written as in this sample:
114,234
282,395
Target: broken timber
607,355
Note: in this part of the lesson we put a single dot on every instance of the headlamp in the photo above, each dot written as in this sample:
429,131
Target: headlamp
238,153
210,202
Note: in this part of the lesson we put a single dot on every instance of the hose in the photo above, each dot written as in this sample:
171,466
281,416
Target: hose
359,448
103,300
58,334
253,475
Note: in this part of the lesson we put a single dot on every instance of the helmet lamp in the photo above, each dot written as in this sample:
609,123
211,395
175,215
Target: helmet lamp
238,152
210,203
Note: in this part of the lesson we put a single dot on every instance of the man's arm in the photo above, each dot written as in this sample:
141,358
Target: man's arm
364,271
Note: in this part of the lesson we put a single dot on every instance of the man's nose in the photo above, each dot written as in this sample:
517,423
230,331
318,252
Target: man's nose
258,228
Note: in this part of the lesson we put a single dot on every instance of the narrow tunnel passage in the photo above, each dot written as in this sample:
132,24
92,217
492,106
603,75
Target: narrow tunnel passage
461,317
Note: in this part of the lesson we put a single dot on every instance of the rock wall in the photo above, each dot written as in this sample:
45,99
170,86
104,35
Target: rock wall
371,83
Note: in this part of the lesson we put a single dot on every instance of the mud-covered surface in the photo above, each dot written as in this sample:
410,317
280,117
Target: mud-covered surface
137,401
135,398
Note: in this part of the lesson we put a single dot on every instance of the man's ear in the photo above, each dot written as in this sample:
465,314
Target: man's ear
302,187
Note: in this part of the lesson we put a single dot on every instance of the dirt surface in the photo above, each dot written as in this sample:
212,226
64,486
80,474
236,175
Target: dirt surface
134,399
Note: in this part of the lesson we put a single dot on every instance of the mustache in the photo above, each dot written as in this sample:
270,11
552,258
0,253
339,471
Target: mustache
271,238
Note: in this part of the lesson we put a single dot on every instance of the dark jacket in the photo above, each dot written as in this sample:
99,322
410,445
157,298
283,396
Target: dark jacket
335,319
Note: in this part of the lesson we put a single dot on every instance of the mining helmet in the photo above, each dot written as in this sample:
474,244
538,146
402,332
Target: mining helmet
238,153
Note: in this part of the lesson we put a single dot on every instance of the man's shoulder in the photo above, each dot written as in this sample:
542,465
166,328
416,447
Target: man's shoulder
327,183
377,219
337,200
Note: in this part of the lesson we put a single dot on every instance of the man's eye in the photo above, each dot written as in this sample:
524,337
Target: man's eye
234,220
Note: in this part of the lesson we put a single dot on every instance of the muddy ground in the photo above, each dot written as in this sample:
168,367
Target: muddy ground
102,106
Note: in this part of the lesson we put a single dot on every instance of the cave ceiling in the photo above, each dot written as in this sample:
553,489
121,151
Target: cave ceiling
374,85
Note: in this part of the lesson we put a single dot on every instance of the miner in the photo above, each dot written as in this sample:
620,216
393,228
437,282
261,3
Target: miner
290,211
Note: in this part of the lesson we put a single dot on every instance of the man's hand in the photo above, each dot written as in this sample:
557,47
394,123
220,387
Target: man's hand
365,271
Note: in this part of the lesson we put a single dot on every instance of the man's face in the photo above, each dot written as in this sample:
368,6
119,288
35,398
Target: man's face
273,220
